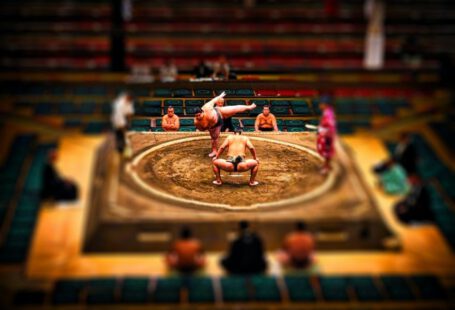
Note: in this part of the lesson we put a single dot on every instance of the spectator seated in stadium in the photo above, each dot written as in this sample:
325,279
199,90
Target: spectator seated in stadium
246,254
416,206
222,69
410,51
265,121
171,121
168,71
186,254
54,186
298,248
202,70
227,122
393,172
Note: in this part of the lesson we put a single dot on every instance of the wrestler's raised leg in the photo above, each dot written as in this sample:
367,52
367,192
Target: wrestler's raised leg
218,165
229,111
214,135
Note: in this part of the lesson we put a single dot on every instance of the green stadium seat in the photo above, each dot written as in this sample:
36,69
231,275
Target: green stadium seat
186,122
299,103
140,128
163,92
281,110
256,111
140,122
151,111
44,109
203,93
87,108
397,288
177,110
183,92
296,129
106,108
344,127
68,291
98,90
259,102
82,90
12,254
301,111
151,104
25,212
234,289
36,90
72,123
187,128
365,288
21,221
67,108
28,297
229,92
101,291
167,290
235,102
135,290
58,90
294,122
173,102
334,288
248,122
265,289
141,92
190,110
299,288
244,92
200,289
315,105
429,287
95,127
194,102
279,103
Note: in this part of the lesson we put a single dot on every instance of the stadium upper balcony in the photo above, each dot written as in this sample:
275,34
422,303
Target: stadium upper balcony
55,10
275,37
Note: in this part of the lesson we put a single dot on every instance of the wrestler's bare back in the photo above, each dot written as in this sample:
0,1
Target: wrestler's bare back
237,145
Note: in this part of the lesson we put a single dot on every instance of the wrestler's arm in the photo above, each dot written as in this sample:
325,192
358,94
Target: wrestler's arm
164,122
252,149
211,103
256,123
275,126
222,148
177,123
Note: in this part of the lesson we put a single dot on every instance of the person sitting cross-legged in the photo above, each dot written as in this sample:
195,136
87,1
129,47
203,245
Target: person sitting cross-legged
186,254
297,249
246,254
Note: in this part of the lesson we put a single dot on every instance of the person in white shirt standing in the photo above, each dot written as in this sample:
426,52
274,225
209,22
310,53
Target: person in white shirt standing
122,110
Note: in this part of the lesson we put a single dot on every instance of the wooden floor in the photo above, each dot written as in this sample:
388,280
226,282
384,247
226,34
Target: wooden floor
56,249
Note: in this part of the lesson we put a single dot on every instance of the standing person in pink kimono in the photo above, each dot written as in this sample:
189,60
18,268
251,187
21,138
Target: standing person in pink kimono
326,134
